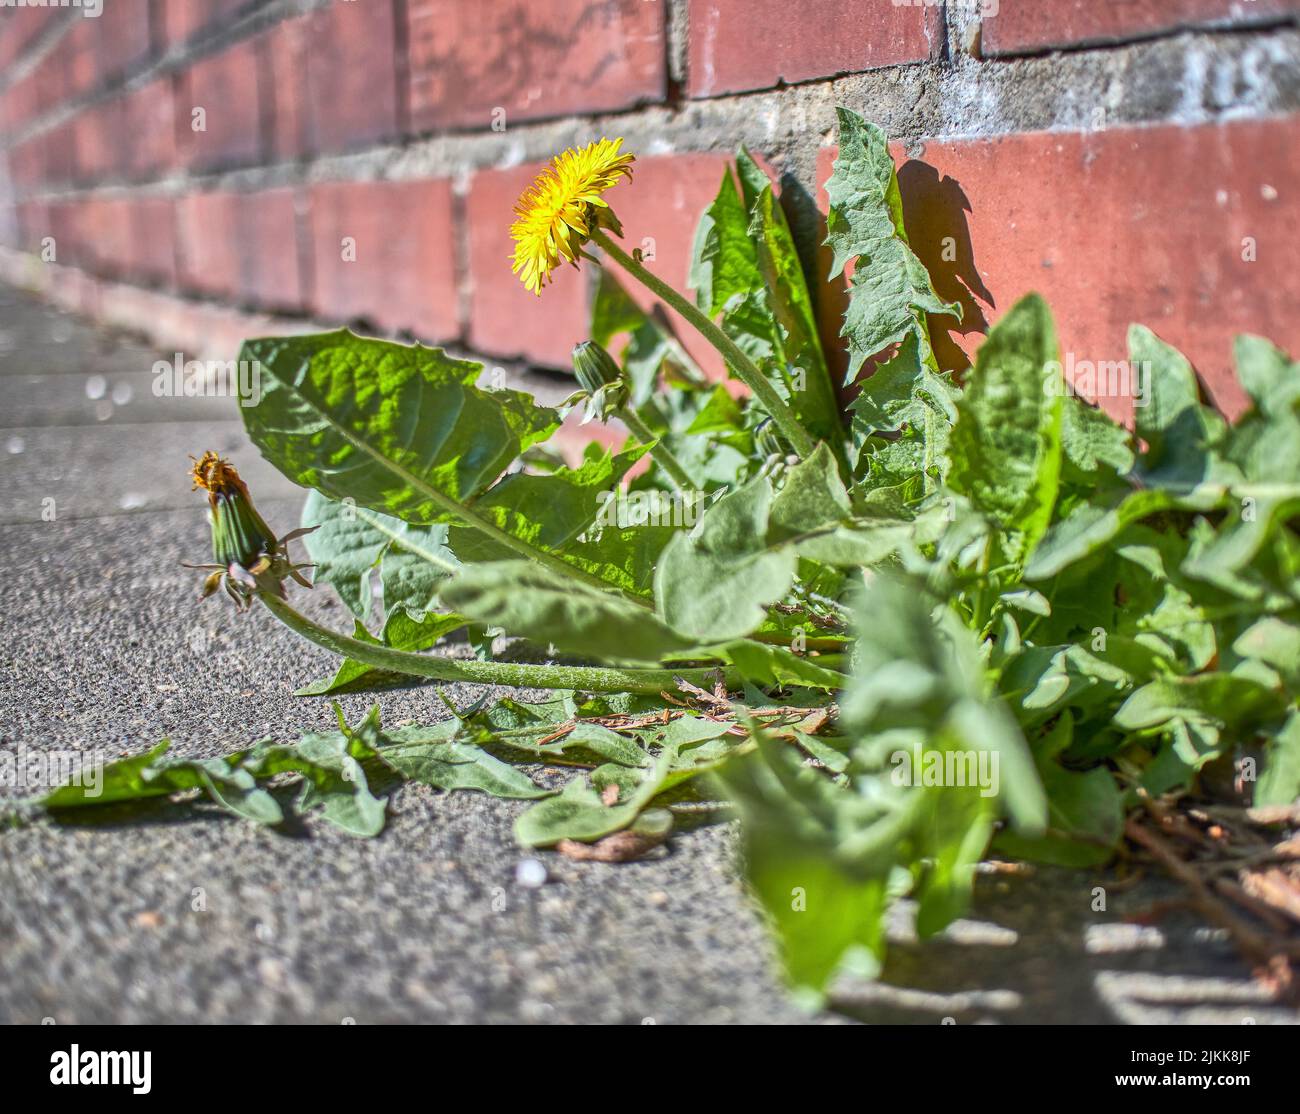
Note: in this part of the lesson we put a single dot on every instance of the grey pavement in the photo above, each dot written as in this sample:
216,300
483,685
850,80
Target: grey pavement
187,917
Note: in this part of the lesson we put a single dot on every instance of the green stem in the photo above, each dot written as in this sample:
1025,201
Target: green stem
583,678
800,439
662,454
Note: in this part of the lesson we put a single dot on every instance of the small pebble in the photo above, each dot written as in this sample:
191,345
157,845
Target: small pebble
530,874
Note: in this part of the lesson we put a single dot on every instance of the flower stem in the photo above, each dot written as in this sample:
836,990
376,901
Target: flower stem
584,678
662,454
800,439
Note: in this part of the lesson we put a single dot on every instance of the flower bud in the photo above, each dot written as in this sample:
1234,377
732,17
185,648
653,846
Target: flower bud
594,367
601,379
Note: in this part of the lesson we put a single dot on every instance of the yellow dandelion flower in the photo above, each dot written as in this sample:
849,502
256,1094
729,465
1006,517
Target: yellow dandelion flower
557,213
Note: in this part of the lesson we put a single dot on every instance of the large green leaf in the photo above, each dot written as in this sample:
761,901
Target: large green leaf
403,430
890,292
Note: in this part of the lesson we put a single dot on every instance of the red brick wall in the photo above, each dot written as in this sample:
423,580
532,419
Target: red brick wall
358,159
1029,25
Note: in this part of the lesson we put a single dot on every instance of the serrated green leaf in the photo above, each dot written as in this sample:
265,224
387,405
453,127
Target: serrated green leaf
403,430
435,757
1006,445
890,292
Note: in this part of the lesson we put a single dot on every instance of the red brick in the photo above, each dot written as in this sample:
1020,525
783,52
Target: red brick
148,119
53,75
403,274
736,45
206,228
152,254
122,38
183,19
659,210
225,87
78,52
65,226
241,247
100,141
104,235
1020,28
351,75
20,103
532,58
27,164
33,224
1129,225
284,49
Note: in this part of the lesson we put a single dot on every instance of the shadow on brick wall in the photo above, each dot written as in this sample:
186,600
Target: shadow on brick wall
934,210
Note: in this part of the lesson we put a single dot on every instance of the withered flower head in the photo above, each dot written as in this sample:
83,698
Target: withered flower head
239,534
247,553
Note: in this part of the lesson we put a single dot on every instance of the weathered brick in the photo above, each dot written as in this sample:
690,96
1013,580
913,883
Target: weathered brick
737,45
284,88
351,75
33,224
1144,225
65,226
659,210
104,235
27,164
224,86
122,38
241,247
206,227
384,252
1021,27
53,75
20,103
78,53
153,240
60,152
148,119
100,141
532,58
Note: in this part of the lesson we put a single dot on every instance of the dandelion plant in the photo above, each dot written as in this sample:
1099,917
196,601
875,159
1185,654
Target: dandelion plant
960,615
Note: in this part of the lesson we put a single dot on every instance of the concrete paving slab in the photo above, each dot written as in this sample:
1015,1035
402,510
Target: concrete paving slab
90,471
93,399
